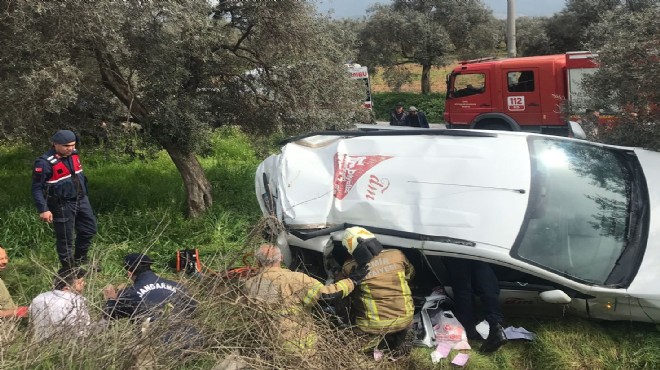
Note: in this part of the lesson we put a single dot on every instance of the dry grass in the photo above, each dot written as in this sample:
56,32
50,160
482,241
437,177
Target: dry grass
438,84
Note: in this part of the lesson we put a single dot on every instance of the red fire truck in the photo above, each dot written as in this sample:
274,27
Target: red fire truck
517,94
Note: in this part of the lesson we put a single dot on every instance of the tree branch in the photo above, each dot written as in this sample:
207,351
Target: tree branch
113,80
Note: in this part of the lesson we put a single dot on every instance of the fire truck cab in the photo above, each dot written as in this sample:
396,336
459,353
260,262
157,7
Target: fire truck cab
517,94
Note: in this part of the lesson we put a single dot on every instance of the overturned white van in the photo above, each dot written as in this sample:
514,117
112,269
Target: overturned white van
568,225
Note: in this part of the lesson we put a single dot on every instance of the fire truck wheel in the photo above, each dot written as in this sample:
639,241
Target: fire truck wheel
493,125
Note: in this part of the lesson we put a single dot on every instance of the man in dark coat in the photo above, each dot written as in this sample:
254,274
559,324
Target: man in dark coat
416,118
398,116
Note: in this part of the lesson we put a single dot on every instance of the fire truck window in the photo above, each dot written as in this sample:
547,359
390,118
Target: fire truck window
522,81
469,84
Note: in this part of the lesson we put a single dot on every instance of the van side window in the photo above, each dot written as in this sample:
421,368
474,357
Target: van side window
468,84
522,81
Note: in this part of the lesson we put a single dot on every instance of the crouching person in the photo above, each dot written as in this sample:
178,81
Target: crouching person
7,307
290,296
149,300
382,306
62,312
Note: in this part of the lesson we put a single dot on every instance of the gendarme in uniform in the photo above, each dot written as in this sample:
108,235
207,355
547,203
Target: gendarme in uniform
59,190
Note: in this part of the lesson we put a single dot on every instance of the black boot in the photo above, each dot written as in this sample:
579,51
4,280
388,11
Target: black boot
496,339
473,334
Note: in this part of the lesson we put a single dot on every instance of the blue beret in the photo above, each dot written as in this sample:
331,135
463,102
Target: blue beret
63,137
134,260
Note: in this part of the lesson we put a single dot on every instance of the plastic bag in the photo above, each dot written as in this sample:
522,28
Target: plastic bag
449,330
426,319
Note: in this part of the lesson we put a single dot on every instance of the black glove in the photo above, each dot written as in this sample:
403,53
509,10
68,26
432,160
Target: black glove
358,274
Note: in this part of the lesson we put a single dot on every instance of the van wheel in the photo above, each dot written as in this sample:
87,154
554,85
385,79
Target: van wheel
493,125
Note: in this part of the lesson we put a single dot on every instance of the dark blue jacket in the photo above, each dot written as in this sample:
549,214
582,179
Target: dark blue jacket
66,189
418,120
149,296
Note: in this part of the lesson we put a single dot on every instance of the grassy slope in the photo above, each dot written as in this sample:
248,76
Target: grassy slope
139,207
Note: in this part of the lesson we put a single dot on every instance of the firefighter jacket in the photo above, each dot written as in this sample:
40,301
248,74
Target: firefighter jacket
291,295
57,178
383,302
150,296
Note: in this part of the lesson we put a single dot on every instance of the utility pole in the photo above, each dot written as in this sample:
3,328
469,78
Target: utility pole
511,28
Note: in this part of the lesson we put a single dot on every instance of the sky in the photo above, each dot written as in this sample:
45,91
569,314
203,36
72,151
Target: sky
358,8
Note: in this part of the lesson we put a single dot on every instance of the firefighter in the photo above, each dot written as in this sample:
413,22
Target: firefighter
382,307
59,190
292,294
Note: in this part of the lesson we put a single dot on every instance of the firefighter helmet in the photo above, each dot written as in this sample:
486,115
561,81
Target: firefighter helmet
352,236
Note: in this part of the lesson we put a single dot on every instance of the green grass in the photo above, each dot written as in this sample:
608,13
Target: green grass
139,207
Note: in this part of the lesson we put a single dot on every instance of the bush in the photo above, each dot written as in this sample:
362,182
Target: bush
433,105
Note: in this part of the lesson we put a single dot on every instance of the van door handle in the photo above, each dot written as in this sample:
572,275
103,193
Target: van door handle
485,105
533,104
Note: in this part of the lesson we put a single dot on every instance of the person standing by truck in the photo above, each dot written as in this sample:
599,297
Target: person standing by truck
416,118
398,115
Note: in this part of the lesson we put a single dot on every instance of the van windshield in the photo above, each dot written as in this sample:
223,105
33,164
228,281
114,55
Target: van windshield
579,213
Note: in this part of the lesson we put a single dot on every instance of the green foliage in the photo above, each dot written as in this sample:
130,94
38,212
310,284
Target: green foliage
172,67
397,76
628,78
426,33
572,28
177,68
433,105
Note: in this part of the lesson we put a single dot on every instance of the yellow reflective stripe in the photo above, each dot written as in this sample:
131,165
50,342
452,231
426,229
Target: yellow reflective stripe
407,295
344,288
382,324
369,304
312,293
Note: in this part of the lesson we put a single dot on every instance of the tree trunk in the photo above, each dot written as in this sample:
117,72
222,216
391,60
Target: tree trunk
426,79
198,187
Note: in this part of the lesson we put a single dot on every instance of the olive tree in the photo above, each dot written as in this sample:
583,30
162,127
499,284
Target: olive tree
627,81
572,28
175,67
427,32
